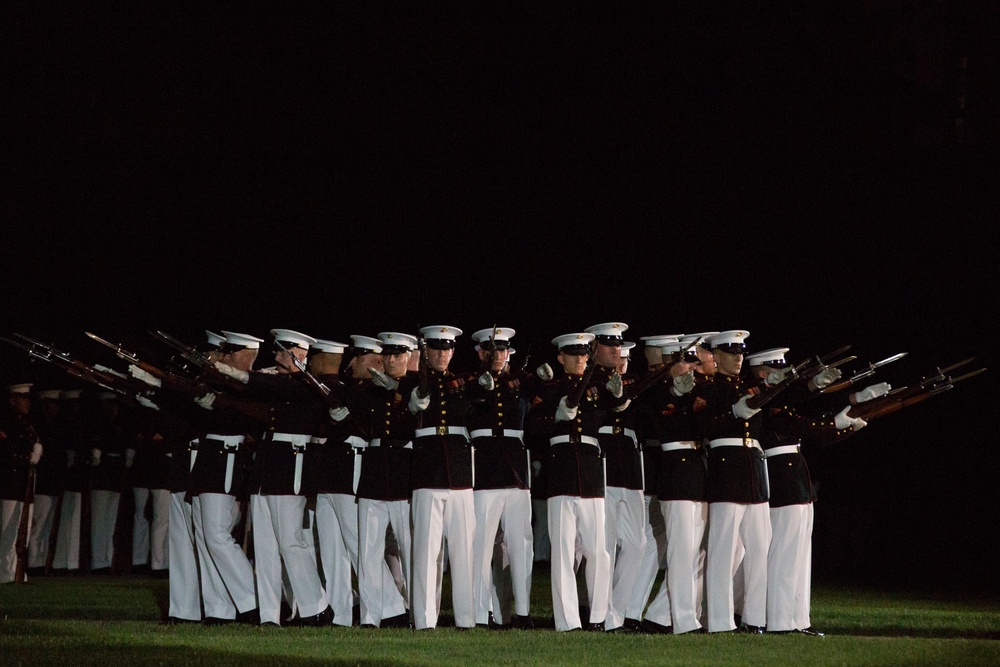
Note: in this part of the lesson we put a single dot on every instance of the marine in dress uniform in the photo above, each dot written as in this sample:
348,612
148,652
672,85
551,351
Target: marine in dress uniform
19,450
66,559
384,488
220,460
502,496
149,465
442,503
334,462
737,488
789,556
282,533
681,494
50,476
575,483
625,505
109,440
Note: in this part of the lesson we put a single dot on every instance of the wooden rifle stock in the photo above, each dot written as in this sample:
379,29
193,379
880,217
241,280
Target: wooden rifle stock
22,527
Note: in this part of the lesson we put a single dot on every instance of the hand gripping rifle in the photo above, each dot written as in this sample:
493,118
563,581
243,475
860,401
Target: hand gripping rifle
200,361
424,388
766,396
651,379
193,388
860,375
492,356
906,396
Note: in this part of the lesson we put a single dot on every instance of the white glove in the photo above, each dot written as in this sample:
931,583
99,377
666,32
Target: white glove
544,373
776,376
623,407
129,457
873,391
142,400
565,413
95,457
70,458
826,377
742,410
229,371
418,404
842,421
339,414
683,384
487,382
36,453
615,385
143,376
206,401
380,379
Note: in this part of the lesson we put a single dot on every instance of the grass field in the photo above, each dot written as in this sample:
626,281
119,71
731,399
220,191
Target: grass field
116,621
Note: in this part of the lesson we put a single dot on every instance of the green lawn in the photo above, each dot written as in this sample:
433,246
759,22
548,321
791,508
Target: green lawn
116,621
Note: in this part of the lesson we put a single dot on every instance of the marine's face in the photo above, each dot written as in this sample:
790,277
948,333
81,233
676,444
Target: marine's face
499,361
439,359
728,363
241,359
573,364
394,364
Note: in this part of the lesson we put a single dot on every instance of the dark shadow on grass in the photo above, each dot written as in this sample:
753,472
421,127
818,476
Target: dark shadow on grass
902,631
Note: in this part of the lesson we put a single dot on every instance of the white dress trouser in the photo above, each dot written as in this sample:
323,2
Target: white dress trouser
149,539
572,521
382,594
103,516
789,567
678,602
625,523
337,532
67,556
226,575
278,537
729,526
440,514
185,593
509,509
140,527
10,518
652,560
42,514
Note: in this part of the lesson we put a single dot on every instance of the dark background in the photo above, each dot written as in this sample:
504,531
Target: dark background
817,176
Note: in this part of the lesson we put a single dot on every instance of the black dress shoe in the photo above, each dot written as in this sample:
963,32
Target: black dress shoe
320,620
270,624
163,573
594,627
398,621
101,571
632,624
211,620
36,571
249,617
811,631
173,620
369,626
649,627
522,623
752,629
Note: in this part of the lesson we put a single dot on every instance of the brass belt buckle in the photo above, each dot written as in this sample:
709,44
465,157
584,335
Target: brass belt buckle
442,430
297,448
617,430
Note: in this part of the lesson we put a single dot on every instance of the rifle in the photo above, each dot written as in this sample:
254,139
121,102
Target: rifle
74,367
424,388
574,399
651,379
769,394
907,396
200,360
22,527
860,375
193,388
492,356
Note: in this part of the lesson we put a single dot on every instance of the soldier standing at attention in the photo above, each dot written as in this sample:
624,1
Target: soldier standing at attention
502,494
442,505
575,475
384,487
19,450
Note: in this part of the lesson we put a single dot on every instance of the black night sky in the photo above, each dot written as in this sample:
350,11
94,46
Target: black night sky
817,176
